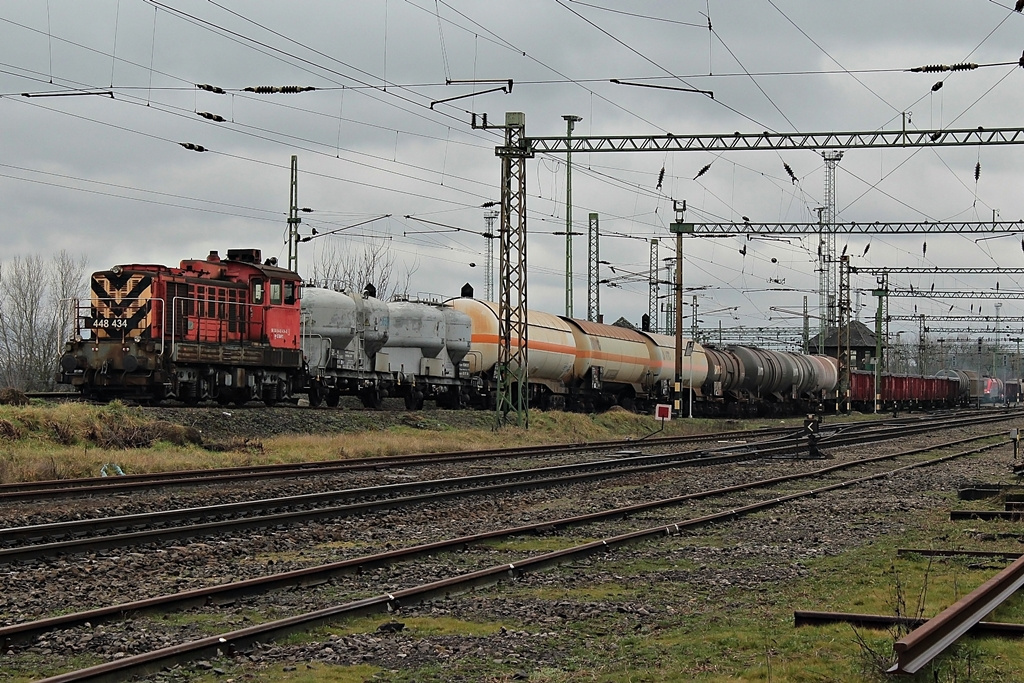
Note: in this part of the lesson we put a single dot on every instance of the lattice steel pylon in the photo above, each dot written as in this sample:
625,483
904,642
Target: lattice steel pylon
489,262
511,370
652,292
843,333
593,257
827,245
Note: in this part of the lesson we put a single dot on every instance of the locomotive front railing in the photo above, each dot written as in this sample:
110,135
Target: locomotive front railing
82,313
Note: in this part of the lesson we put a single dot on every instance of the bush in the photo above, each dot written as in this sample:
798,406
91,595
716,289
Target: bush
13,397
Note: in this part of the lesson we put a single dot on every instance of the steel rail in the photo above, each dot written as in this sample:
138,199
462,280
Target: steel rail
987,515
813,618
927,642
129,482
484,484
231,516
232,642
315,575
932,552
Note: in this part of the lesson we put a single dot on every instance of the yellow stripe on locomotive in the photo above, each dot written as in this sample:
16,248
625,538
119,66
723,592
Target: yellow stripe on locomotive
121,305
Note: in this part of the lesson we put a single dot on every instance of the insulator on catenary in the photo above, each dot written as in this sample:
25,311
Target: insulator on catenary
269,89
936,86
192,146
789,170
931,68
702,171
211,88
213,117
977,172
661,178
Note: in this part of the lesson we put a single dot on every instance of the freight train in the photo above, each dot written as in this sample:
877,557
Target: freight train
238,329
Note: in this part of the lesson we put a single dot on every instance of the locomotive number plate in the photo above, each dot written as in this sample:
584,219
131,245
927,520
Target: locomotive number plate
110,323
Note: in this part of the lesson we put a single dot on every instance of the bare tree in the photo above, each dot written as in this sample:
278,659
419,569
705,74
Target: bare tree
352,270
35,317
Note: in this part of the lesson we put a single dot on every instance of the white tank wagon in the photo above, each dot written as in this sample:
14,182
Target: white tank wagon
342,338
551,352
693,374
425,347
625,367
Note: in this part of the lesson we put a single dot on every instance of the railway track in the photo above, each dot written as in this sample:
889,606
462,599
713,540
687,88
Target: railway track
56,488
390,600
88,535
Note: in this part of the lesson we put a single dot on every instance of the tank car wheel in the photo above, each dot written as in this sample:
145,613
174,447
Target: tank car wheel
372,397
414,400
333,398
316,395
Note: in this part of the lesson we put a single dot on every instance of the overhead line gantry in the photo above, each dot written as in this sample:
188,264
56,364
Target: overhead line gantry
518,147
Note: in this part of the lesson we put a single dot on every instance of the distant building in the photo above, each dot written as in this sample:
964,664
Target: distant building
862,345
622,322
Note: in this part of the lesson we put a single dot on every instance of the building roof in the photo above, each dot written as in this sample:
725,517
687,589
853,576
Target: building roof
861,337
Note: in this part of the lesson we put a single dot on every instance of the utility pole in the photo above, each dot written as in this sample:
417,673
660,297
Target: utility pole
693,320
570,123
1015,366
679,227
807,330
293,217
879,316
843,330
995,351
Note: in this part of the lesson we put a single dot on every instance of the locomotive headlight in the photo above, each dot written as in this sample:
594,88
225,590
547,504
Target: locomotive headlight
138,339
116,270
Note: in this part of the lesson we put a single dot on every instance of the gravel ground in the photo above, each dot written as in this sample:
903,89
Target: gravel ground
530,634
256,421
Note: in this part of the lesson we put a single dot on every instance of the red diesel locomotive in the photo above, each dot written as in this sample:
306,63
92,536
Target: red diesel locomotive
226,330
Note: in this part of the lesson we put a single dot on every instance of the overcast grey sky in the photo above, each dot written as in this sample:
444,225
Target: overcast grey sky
105,176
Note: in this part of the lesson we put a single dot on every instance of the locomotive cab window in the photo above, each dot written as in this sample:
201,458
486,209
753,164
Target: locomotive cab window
257,292
289,292
275,292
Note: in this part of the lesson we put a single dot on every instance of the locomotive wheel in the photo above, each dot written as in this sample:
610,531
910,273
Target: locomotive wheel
333,398
372,397
316,395
414,400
